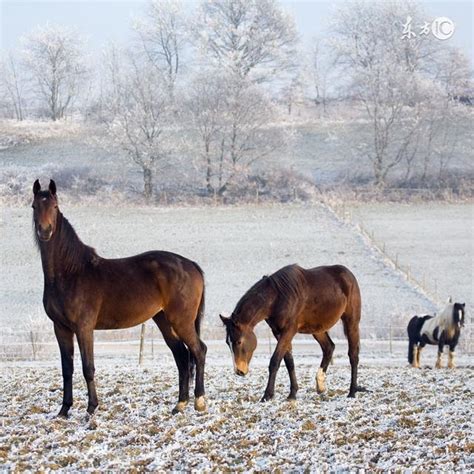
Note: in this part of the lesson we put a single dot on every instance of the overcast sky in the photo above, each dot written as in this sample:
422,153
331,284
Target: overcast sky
100,21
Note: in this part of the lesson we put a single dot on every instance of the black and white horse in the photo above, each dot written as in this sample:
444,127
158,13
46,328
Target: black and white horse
442,330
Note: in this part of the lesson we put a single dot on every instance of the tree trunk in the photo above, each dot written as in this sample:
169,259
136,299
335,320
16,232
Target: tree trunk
210,188
147,184
379,175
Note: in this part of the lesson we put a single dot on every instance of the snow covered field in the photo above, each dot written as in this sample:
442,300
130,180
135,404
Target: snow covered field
435,239
410,419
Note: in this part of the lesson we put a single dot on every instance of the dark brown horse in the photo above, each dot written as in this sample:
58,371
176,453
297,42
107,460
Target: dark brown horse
294,300
84,292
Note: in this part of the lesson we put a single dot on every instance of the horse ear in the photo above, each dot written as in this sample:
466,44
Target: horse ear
36,187
463,305
450,300
225,320
52,187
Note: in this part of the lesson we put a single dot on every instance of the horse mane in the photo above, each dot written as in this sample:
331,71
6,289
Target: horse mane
74,254
253,290
287,282
445,318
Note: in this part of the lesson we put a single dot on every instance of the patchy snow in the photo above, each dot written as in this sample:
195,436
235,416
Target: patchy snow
410,419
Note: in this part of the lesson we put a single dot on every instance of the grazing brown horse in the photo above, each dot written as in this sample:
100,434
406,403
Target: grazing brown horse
84,292
295,300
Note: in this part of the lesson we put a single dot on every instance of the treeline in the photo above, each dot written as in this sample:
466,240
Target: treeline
216,80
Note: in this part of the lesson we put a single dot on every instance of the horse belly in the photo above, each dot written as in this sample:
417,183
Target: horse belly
317,321
128,310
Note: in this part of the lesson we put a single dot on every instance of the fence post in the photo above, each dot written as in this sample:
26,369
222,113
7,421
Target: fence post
142,345
390,336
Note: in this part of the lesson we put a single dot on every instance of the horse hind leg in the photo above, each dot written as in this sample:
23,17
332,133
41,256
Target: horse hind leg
351,329
327,347
183,324
181,357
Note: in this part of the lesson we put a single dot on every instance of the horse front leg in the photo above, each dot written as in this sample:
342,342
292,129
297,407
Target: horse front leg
65,339
327,346
439,363
85,339
290,366
452,355
282,348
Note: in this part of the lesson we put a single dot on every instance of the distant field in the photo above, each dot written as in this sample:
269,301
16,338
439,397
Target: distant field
325,150
435,239
234,245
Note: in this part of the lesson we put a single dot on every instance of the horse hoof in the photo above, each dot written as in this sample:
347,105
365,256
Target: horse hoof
351,395
200,404
179,408
266,398
63,413
291,398
320,390
320,381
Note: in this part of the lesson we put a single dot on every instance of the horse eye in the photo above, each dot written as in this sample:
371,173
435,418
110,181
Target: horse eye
33,206
239,342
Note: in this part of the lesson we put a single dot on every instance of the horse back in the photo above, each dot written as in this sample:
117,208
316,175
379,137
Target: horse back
331,292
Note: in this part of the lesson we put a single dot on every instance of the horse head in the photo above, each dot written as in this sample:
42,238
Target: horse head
45,210
242,343
458,314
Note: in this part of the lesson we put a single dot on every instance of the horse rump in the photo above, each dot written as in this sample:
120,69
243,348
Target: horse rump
414,333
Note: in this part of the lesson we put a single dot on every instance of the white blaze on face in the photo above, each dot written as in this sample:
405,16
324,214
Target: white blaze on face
229,343
460,317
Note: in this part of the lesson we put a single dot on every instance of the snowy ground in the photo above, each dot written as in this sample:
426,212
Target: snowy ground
410,419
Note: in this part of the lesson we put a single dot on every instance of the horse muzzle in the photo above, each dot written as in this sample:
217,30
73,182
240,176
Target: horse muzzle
241,373
44,235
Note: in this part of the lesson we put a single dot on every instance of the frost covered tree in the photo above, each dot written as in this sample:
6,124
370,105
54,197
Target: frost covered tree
55,58
12,86
206,104
319,68
386,74
163,34
138,114
250,39
235,121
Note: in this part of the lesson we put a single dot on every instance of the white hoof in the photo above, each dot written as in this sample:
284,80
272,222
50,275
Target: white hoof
320,381
180,406
200,404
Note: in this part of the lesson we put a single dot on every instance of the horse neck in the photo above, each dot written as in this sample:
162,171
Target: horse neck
262,298
64,253
445,319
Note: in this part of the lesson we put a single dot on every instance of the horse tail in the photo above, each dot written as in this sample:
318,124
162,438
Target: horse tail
199,317
413,330
200,312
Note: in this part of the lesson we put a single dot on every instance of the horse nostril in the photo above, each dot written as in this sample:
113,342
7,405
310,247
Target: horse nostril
45,234
239,372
